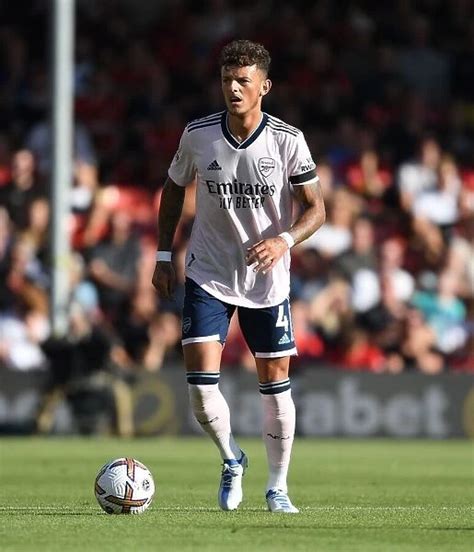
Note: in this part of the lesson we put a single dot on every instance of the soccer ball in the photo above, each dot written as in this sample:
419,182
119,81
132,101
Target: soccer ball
124,486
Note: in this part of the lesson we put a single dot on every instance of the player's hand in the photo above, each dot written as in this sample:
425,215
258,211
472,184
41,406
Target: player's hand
266,253
164,279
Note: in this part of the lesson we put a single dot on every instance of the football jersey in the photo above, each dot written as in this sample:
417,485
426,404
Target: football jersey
243,195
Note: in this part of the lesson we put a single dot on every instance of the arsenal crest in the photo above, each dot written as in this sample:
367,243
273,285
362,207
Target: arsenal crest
266,166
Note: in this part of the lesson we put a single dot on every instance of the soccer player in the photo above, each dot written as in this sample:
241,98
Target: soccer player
247,165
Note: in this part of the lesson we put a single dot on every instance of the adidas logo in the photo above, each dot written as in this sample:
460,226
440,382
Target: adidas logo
284,340
214,166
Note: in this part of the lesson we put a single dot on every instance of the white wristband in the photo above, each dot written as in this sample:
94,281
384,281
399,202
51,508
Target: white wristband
163,256
290,242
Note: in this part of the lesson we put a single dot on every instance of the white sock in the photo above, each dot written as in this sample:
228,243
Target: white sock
212,412
278,430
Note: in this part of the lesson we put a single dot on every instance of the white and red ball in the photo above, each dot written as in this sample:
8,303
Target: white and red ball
124,486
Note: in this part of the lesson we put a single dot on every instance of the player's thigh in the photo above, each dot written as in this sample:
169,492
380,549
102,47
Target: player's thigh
269,335
204,328
203,357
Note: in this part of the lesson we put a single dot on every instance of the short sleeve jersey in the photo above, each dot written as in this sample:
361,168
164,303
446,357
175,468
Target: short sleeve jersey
243,196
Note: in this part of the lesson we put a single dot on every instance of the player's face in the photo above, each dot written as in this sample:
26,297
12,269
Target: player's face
243,88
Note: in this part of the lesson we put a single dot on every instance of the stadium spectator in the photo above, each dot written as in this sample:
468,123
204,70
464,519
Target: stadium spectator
330,309
309,344
113,265
436,211
165,335
309,275
362,253
358,266
85,186
37,231
417,176
334,238
91,228
17,195
327,180
82,291
7,238
385,322
21,332
27,279
5,156
366,177
356,351
147,336
418,347
460,258
392,259
444,312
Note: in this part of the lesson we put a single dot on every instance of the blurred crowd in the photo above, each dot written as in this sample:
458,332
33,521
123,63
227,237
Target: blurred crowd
383,93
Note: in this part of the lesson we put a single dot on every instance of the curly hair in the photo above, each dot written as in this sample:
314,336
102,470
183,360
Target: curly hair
241,53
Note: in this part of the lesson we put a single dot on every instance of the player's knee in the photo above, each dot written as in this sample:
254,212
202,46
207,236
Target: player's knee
272,369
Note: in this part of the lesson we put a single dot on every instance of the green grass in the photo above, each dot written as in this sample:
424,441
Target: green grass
354,495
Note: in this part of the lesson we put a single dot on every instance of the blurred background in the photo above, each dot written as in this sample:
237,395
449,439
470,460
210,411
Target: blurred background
382,296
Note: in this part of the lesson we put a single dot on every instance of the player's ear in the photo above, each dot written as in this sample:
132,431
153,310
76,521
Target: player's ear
266,86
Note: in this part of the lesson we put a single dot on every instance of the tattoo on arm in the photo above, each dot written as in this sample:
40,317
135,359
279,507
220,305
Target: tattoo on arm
313,213
171,206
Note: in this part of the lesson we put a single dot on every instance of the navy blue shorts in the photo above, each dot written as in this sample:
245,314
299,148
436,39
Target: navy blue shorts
268,331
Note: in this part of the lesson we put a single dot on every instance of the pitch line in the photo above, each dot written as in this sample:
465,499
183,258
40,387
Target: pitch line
243,509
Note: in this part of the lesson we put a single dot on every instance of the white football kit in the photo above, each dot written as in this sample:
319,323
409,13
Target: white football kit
243,196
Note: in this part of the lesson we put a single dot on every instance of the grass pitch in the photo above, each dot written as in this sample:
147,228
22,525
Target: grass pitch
354,495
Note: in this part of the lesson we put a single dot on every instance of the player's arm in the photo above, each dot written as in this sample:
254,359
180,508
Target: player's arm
171,206
266,253
313,213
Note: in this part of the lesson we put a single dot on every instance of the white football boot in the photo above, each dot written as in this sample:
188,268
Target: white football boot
230,490
278,501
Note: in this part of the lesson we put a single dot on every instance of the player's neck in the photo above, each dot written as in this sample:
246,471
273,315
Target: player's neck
242,127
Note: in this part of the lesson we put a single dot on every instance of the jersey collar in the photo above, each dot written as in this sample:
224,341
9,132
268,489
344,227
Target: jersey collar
246,143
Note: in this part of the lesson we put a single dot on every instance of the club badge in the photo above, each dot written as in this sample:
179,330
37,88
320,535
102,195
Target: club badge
266,166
